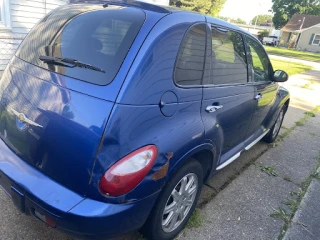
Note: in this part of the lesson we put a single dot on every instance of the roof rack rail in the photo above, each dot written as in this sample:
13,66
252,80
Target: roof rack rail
132,3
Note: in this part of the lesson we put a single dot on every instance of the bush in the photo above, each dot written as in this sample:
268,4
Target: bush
262,34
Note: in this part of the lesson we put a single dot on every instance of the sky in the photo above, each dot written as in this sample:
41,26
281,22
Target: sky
245,9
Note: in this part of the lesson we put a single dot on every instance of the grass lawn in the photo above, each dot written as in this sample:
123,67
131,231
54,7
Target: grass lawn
293,53
290,67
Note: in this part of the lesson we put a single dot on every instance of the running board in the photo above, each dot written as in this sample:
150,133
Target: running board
257,140
234,157
230,160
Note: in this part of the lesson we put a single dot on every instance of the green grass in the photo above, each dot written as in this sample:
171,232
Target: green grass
310,114
269,170
287,178
290,67
307,86
196,220
293,53
294,201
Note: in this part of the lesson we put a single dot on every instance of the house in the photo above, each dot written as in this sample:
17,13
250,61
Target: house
302,32
17,17
256,30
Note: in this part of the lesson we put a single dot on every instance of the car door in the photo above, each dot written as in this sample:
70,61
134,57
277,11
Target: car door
228,99
265,89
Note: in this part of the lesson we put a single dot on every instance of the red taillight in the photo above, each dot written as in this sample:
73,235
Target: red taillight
127,173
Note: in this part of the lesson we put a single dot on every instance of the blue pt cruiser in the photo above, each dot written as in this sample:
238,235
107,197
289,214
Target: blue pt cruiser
114,114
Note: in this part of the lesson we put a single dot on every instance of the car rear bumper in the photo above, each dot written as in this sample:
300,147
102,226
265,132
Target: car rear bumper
34,193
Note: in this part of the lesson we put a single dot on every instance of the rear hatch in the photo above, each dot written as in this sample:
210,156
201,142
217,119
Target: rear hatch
50,113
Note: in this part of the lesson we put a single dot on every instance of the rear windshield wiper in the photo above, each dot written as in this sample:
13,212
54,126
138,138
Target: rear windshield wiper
68,62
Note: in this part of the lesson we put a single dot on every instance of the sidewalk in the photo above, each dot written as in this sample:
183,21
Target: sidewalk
243,209
257,204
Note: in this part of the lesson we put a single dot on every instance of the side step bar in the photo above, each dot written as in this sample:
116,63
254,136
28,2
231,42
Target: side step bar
234,157
257,140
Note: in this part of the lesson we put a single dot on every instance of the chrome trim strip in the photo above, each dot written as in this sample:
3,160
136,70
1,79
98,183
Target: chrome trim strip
230,160
22,118
257,140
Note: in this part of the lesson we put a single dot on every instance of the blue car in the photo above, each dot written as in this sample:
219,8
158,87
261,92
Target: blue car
114,114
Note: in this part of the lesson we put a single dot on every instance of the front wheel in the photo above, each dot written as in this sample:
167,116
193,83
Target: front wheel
274,131
175,204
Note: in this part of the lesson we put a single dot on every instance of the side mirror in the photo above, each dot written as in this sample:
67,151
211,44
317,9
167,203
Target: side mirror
280,76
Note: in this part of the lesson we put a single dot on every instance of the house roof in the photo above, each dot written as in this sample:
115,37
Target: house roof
295,22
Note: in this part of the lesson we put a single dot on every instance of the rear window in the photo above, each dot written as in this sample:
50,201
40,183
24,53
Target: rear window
101,38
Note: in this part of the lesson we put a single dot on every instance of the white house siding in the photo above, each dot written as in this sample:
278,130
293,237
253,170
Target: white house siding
304,42
24,15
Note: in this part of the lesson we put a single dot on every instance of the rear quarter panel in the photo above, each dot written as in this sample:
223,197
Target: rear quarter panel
136,119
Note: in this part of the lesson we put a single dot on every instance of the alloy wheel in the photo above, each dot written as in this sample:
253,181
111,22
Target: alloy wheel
179,202
278,124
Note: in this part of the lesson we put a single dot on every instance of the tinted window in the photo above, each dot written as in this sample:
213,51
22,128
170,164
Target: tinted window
190,61
260,62
101,38
229,64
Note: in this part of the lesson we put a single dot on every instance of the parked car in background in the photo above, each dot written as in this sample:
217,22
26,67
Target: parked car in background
271,40
114,115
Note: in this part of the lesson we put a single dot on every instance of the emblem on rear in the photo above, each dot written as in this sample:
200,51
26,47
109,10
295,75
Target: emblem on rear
22,117
22,121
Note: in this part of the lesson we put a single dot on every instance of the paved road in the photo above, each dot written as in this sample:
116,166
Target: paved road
244,196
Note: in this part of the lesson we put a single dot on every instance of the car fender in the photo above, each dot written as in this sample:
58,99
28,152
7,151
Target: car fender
282,97
209,146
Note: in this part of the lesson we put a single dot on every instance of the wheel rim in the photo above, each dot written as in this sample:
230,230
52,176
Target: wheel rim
179,202
278,124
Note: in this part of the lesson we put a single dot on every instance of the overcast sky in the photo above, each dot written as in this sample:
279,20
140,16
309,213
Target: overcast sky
245,9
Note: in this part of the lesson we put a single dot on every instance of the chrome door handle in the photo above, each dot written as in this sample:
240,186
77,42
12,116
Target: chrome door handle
258,96
211,109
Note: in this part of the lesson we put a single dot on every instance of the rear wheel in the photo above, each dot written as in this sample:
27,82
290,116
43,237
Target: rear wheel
175,204
274,131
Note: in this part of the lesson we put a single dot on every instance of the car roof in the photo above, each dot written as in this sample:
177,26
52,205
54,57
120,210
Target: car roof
159,9
129,3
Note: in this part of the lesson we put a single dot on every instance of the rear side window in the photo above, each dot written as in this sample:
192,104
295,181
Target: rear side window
190,61
101,38
229,64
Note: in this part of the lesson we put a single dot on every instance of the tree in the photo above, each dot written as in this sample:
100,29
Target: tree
233,20
239,20
261,19
216,7
223,18
201,6
285,9
209,7
262,34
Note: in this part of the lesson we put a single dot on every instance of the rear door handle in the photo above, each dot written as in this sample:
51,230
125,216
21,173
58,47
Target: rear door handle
211,109
258,96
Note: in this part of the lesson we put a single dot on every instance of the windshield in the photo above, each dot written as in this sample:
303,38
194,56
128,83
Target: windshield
100,38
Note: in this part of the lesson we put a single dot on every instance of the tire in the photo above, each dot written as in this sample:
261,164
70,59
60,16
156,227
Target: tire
274,131
158,225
